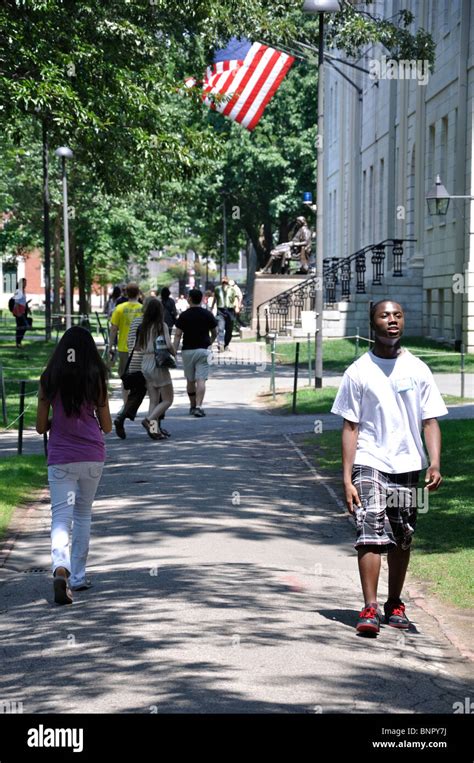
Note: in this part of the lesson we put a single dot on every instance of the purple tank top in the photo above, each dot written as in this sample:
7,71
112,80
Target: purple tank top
74,438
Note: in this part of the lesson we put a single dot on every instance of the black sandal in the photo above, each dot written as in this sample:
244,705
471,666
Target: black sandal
153,435
62,592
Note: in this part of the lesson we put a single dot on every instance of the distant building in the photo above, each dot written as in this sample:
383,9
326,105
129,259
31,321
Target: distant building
29,267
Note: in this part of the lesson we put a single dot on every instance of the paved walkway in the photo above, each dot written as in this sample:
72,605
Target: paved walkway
224,580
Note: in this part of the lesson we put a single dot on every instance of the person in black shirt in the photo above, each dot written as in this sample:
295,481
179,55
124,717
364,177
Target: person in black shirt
198,327
169,307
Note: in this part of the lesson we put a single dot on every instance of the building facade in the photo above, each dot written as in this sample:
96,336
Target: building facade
388,134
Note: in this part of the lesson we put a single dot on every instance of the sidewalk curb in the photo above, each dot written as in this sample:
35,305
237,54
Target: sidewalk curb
415,595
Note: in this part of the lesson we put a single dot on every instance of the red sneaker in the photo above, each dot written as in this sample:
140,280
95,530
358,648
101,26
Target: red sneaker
395,614
369,619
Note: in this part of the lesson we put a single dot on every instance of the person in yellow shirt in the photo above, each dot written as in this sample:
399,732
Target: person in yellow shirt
120,321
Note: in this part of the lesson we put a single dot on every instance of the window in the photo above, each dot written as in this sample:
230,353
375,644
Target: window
446,9
431,155
441,312
381,197
428,311
430,171
443,163
364,206
432,16
9,278
331,114
371,203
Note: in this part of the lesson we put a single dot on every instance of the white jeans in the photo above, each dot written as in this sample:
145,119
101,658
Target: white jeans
73,487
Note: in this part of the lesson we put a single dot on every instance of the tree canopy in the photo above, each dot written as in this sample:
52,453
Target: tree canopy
151,163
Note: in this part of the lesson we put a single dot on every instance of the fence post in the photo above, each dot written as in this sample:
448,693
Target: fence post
4,397
309,360
273,353
21,417
462,369
295,378
357,344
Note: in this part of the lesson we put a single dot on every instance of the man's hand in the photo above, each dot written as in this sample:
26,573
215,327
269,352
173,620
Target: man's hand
352,497
433,478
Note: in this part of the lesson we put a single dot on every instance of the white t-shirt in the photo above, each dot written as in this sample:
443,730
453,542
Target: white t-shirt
389,399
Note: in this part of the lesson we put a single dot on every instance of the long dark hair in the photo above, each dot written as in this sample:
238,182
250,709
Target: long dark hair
152,322
76,372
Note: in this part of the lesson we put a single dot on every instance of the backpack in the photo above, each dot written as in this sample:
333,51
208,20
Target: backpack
11,304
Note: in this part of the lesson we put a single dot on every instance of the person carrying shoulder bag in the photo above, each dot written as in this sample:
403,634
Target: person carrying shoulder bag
154,333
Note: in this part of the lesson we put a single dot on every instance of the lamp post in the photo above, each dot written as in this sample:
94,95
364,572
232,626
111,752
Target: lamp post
321,7
308,202
46,236
65,153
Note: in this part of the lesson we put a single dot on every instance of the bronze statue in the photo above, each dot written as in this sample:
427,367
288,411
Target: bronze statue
298,248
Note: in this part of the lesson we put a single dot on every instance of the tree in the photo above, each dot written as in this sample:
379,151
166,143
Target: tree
150,162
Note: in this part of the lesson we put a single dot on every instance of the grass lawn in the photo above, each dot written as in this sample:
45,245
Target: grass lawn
340,353
443,555
20,476
26,363
310,400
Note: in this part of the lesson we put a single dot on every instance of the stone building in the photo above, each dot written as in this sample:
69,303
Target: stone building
388,134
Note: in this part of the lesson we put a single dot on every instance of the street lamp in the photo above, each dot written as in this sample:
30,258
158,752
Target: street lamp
321,7
308,202
438,198
65,153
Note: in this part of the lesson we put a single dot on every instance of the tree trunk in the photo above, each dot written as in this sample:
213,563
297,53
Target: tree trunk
81,280
283,233
267,232
260,252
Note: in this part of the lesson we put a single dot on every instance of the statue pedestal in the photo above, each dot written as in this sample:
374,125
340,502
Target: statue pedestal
268,286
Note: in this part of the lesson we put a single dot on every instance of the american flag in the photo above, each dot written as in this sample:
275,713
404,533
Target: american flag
245,76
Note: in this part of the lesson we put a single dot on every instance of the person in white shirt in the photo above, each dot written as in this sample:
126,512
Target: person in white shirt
20,311
181,304
387,398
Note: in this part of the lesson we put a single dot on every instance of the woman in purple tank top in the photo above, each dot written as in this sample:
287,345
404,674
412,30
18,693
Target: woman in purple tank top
74,386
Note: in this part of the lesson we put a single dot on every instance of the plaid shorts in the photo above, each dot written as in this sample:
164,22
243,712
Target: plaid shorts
388,514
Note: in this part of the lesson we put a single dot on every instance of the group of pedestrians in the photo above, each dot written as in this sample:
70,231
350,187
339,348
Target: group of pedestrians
147,351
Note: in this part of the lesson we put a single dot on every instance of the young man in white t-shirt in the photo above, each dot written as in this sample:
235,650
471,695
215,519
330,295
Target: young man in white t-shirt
387,398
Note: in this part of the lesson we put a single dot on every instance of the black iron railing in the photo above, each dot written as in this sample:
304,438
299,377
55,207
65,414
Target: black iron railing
283,312
339,270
